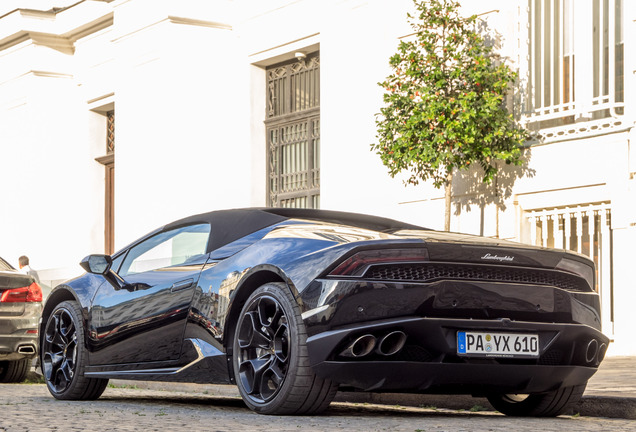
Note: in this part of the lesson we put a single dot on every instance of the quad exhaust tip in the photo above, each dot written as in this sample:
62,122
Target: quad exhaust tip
602,349
360,347
391,343
387,345
592,351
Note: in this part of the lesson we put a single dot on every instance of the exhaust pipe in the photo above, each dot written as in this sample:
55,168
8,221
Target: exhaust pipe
601,353
391,343
360,347
26,349
592,350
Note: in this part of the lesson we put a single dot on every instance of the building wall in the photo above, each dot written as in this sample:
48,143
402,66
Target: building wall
45,182
188,85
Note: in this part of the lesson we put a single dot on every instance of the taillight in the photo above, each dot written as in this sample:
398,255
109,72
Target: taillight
32,293
580,269
357,264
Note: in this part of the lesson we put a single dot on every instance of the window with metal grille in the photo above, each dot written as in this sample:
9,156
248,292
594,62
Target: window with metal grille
575,66
293,133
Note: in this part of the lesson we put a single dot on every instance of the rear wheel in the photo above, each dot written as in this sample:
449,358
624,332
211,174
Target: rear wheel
270,359
64,356
549,404
14,371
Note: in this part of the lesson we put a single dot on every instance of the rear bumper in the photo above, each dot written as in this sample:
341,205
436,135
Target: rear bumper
429,363
473,379
15,341
17,347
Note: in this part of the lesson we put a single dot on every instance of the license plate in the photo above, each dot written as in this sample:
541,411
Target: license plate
482,344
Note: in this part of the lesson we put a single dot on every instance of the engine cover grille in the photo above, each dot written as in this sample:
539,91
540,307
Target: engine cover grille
430,272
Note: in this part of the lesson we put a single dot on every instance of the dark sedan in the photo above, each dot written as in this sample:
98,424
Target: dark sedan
20,308
293,304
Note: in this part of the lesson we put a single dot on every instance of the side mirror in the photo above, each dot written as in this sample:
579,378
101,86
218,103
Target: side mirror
97,264
101,264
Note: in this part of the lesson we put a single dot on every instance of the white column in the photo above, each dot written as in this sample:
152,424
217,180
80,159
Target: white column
542,57
559,60
590,230
558,234
567,223
584,56
601,52
552,44
579,230
611,42
533,230
571,55
629,65
544,230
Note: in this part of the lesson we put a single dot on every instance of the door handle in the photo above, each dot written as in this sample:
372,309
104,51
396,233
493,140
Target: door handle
178,286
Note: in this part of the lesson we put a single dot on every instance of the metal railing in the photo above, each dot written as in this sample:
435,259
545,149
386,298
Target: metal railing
585,229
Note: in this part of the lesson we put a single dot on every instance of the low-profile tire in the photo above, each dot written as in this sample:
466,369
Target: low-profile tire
549,404
270,359
64,355
14,371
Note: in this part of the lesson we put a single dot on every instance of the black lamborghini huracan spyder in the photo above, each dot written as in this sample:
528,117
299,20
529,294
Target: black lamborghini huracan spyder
292,304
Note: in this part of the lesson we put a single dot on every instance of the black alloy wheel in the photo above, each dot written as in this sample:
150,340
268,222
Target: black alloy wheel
263,339
64,355
60,350
271,364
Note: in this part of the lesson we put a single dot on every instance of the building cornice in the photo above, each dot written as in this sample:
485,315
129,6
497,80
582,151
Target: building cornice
57,30
171,19
199,22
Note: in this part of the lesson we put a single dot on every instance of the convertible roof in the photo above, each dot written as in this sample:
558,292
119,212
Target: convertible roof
230,225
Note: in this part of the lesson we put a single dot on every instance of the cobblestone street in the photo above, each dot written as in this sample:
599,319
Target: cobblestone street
30,408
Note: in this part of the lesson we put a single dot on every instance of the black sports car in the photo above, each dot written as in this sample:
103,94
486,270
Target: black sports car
292,304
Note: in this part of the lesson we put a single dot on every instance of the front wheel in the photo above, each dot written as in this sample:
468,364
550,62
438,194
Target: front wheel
549,404
64,355
270,359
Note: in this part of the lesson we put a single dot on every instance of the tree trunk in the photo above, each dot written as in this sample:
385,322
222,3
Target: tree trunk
496,200
497,220
447,200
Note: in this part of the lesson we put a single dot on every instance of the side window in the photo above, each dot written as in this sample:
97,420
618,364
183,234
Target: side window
167,249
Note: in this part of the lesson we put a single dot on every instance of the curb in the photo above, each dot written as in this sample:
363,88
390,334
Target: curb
588,406
607,406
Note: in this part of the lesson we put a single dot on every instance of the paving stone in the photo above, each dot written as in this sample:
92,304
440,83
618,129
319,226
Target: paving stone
31,408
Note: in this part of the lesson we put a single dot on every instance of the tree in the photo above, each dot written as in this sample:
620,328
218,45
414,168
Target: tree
445,102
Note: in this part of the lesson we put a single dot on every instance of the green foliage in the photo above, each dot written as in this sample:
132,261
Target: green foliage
445,101
478,408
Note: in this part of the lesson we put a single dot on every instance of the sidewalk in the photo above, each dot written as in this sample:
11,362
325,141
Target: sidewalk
610,393
612,390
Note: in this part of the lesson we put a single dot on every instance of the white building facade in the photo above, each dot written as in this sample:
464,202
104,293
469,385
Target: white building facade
119,116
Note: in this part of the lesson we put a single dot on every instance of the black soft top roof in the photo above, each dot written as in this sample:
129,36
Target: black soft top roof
230,225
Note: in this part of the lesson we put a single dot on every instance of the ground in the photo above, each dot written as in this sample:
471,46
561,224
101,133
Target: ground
29,407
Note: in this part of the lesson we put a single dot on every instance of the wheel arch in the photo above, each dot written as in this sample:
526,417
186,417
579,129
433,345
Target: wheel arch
251,281
60,294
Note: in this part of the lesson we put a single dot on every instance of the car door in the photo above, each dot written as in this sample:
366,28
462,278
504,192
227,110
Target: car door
144,321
